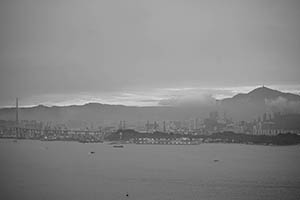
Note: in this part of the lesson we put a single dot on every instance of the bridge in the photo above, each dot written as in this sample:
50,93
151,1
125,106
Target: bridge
47,133
50,134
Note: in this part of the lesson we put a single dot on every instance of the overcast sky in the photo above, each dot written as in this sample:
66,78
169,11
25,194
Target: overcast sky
138,52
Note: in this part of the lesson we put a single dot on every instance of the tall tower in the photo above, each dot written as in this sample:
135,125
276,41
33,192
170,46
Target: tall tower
120,126
124,127
164,127
147,127
17,112
17,118
155,126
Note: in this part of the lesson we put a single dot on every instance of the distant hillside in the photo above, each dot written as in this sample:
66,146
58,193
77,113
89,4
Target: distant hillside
240,107
100,114
262,93
258,101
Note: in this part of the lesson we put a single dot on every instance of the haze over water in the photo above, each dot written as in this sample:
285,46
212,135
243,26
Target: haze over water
66,170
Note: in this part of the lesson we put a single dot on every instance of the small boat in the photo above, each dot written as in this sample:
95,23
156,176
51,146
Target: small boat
118,146
92,152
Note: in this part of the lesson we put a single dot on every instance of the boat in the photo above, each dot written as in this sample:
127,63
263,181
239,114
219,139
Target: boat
118,146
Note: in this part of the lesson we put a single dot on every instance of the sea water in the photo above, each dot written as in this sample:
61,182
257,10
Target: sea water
67,170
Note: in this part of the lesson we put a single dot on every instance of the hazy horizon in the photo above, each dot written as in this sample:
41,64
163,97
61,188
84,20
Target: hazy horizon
159,97
142,53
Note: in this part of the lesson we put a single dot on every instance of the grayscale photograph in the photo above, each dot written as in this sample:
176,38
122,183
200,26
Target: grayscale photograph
149,99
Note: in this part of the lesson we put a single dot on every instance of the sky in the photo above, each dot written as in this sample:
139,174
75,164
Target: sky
145,53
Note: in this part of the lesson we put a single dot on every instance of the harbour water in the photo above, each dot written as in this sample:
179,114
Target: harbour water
67,170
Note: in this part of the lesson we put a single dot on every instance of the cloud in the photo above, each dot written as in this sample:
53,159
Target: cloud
164,96
283,105
190,98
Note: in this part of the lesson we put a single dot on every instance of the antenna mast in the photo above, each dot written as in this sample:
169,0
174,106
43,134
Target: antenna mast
17,111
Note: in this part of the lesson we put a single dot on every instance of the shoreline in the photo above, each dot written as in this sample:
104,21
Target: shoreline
106,142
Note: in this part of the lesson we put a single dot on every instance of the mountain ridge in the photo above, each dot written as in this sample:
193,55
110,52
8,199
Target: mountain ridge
265,93
244,106
258,101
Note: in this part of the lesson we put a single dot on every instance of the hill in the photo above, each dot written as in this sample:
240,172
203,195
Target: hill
240,107
258,101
